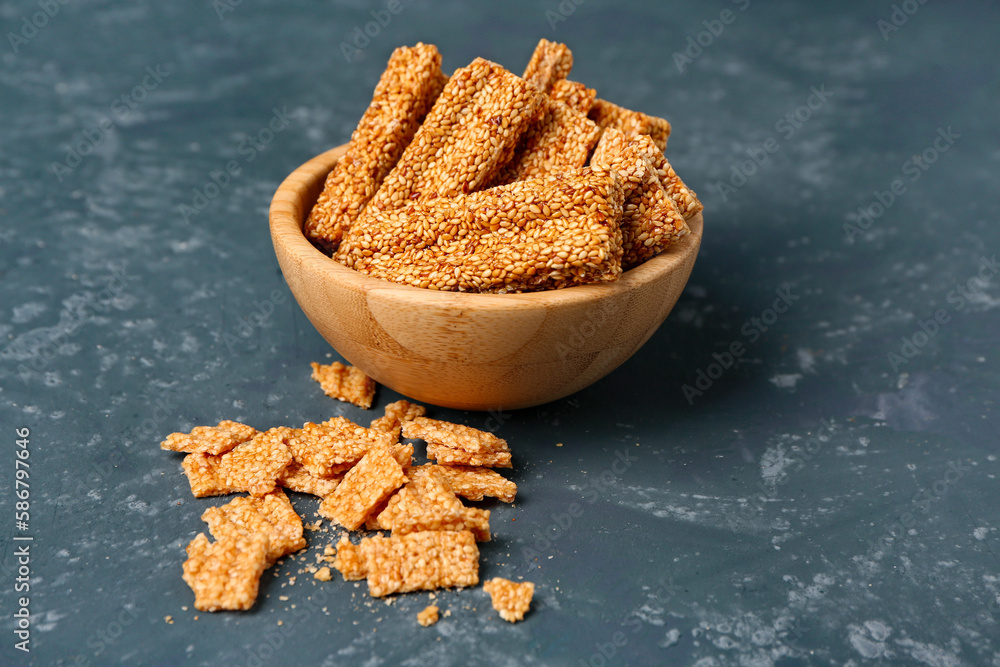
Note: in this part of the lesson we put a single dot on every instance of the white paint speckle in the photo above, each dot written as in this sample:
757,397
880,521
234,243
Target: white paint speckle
27,312
807,360
672,638
786,381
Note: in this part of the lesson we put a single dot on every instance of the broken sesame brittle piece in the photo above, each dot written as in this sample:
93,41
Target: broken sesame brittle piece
560,140
453,435
334,446
543,233
469,134
363,488
405,93
429,616
420,561
395,414
608,115
650,219
477,521
297,478
428,503
271,515
209,439
349,561
252,466
345,383
225,574
550,62
403,453
453,456
473,483
510,598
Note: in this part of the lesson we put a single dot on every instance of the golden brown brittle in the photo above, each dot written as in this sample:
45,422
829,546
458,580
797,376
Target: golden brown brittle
364,486
650,219
575,95
510,598
454,456
252,466
435,431
428,617
225,574
684,197
543,233
550,62
334,446
397,413
606,115
272,515
469,134
349,561
405,93
420,561
209,439
345,383
428,503
560,140
473,483
296,478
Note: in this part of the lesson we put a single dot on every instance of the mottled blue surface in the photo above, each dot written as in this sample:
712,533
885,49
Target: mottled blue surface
820,503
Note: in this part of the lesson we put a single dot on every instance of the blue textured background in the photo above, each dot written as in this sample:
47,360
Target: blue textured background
761,523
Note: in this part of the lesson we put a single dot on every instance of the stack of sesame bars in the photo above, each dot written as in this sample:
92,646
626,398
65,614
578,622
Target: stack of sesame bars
489,182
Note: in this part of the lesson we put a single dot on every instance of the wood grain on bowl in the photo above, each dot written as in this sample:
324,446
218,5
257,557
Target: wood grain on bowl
472,351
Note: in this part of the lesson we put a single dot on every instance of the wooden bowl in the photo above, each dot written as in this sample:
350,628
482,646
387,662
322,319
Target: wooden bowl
471,351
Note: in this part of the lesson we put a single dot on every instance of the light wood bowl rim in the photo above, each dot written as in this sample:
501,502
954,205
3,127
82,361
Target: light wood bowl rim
288,211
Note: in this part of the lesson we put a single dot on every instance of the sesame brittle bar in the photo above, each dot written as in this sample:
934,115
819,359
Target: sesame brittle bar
560,140
686,200
405,93
334,446
632,123
650,220
473,483
550,62
451,456
415,509
469,134
510,598
428,503
345,383
395,414
297,478
548,232
613,141
420,561
252,466
573,94
453,435
271,515
209,439
363,488
225,574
